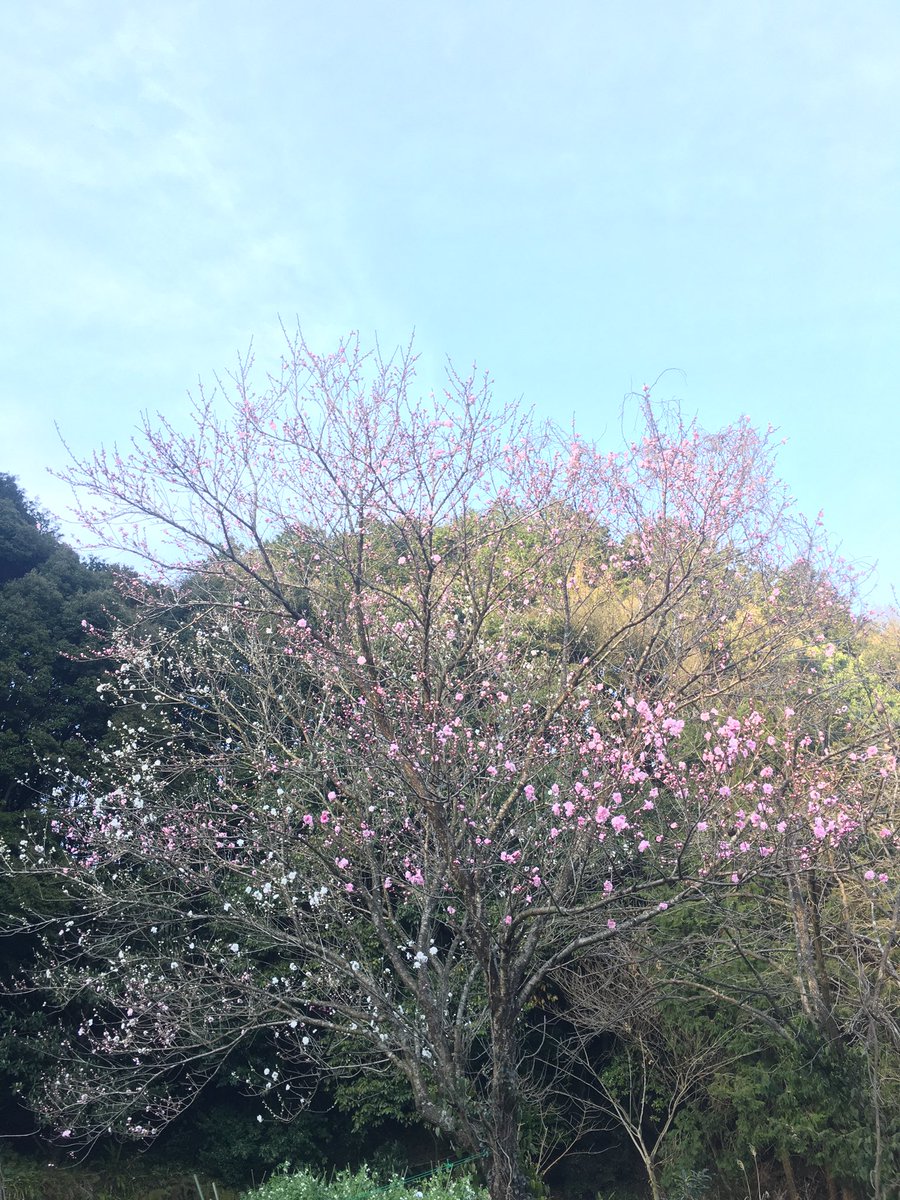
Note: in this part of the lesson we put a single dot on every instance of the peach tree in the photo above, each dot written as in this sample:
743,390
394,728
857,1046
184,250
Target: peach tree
423,701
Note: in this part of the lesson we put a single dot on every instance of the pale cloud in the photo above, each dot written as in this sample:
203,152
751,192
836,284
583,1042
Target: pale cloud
122,114
120,141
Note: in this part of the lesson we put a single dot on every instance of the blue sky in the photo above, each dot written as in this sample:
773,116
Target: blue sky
580,196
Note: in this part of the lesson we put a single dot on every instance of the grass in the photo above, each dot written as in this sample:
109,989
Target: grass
24,1178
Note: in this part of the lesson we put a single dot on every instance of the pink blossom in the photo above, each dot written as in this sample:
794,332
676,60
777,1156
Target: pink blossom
469,695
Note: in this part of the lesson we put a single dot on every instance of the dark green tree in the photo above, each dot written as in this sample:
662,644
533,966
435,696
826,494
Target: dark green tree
51,714
49,598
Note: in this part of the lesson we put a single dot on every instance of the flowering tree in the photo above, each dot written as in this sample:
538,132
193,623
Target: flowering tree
424,702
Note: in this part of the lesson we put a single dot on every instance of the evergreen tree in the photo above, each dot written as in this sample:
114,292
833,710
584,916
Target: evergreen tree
51,714
49,703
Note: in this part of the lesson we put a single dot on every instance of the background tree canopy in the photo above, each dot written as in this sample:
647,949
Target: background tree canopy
48,677
51,714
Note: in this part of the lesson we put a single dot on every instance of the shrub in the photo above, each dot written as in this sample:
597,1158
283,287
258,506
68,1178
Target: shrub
355,1185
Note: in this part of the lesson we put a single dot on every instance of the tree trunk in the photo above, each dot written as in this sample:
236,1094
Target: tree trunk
873,1057
650,1168
789,1178
507,1178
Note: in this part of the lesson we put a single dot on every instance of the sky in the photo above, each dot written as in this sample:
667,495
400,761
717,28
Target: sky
581,197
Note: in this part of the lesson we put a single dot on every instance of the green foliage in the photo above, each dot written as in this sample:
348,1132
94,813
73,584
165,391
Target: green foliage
689,1184
23,1178
221,1136
371,1099
807,1100
49,705
348,1185
25,536
50,714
